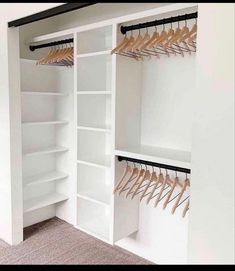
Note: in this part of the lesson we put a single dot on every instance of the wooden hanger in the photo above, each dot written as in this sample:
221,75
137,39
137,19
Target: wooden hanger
127,170
140,174
145,177
189,34
160,180
186,183
175,183
134,174
167,181
153,179
51,52
186,208
124,41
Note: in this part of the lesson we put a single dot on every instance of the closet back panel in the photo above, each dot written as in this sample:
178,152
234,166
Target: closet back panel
166,110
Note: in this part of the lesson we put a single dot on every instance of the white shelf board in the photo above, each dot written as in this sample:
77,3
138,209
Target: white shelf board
44,93
100,162
95,129
106,52
53,122
87,92
53,149
99,199
166,156
97,227
43,201
44,177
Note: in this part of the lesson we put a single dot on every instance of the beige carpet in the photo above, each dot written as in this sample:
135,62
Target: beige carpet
57,242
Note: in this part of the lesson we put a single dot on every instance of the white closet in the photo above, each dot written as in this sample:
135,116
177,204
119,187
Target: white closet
77,121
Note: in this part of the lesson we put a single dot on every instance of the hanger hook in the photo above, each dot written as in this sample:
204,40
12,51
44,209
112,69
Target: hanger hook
153,168
176,174
126,163
160,170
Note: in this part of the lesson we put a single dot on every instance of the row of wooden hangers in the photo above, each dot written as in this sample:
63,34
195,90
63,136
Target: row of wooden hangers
164,42
58,56
152,186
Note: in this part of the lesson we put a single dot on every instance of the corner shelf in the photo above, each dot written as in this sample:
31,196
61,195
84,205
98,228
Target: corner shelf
55,122
43,201
44,177
53,149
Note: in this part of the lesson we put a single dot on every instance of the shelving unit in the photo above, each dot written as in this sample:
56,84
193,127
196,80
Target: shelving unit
94,105
46,123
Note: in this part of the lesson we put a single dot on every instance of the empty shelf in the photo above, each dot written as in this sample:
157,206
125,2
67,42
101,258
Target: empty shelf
101,162
79,127
93,92
43,201
46,151
99,199
166,156
44,93
45,122
44,177
106,52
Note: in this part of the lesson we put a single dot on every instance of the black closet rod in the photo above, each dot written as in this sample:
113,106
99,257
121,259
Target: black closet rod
53,43
153,164
169,20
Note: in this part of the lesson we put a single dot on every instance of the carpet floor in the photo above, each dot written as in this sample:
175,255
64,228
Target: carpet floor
57,242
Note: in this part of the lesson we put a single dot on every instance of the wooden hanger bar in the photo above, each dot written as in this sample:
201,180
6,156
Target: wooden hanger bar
169,20
53,43
153,164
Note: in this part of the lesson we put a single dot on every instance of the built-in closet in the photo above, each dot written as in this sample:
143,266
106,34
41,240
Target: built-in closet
82,125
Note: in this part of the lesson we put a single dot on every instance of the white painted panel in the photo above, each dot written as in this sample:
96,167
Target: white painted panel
211,227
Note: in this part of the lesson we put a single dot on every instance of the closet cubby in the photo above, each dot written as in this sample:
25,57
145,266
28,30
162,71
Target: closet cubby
93,147
94,73
94,112
93,218
94,183
95,40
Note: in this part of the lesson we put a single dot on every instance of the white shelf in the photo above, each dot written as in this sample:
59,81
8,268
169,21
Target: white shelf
172,157
53,149
105,130
43,201
92,196
44,177
106,52
44,93
97,227
98,162
93,92
55,122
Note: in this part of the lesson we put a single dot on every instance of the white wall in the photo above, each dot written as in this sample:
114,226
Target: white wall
10,221
211,228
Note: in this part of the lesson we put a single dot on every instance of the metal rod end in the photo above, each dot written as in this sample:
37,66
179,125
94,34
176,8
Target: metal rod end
31,48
